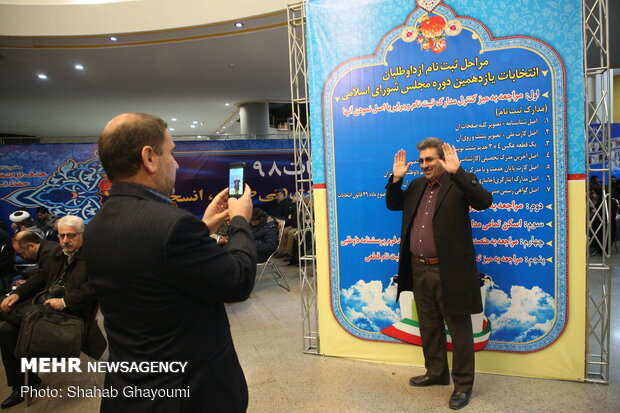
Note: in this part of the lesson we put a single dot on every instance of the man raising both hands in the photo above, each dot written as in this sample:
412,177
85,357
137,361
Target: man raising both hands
437,260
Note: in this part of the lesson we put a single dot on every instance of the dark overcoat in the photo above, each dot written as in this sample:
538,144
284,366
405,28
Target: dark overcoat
162,282
267,238
80,296
453,237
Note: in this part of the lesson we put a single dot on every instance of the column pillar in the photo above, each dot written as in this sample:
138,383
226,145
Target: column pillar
254,118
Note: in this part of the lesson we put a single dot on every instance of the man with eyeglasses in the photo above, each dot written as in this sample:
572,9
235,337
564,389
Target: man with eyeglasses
61,283
437,260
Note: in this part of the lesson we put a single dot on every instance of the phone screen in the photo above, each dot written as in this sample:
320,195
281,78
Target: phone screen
236,182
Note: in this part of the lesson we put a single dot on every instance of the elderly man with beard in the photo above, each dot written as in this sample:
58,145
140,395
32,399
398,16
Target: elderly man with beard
63,283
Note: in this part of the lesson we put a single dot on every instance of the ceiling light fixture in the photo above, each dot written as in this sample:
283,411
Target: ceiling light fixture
42,76
173,119
79,67
113,38
195,122
171,129
227,104
239,25
192,126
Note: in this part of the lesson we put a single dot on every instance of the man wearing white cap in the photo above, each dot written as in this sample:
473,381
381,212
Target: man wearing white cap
23,222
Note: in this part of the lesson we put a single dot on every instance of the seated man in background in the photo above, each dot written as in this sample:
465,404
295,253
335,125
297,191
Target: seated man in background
288,234
22,221
265,234
15,227
31,247
47,221
65,271
281,206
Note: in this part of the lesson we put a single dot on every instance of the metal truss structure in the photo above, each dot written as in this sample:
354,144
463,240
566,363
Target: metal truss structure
296,14
599,148
598,142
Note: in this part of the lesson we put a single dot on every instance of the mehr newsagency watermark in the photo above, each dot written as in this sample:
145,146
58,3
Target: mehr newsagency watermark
73,365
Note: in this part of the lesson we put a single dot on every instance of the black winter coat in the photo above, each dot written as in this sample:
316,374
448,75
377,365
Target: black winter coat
266,238
453,237
162,282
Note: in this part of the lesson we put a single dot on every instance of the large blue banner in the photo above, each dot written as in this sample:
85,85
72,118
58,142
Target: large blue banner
68,178
502,102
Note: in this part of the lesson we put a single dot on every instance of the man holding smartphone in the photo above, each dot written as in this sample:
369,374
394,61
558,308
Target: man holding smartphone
160,278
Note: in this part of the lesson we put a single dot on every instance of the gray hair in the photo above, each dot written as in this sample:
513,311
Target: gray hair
72,221
431,143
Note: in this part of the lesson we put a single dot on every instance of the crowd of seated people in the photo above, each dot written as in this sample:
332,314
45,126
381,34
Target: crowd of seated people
264,232
43,223
60,282
15,267
32,261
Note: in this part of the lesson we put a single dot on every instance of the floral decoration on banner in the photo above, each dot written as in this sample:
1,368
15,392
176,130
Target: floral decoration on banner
431,32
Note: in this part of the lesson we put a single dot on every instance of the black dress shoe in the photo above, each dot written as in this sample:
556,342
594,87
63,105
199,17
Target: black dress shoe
459,399
424,380
12,400
16,397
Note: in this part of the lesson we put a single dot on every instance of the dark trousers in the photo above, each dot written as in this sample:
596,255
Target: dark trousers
431,315
9,331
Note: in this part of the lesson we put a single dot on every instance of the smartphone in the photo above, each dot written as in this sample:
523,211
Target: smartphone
236,180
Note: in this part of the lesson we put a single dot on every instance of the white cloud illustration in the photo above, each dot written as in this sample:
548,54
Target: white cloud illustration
368,306
524,315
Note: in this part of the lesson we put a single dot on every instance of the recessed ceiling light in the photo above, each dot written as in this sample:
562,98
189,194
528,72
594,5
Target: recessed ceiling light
171,129
42,76
79,67
227,104
113,38
192,126
195,122
173,119
239,25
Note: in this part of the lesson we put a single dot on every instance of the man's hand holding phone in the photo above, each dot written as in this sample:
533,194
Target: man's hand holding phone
224,206
236,179
217,211
241,206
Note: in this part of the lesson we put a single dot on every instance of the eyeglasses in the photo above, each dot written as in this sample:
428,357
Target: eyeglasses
69,235
428,159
